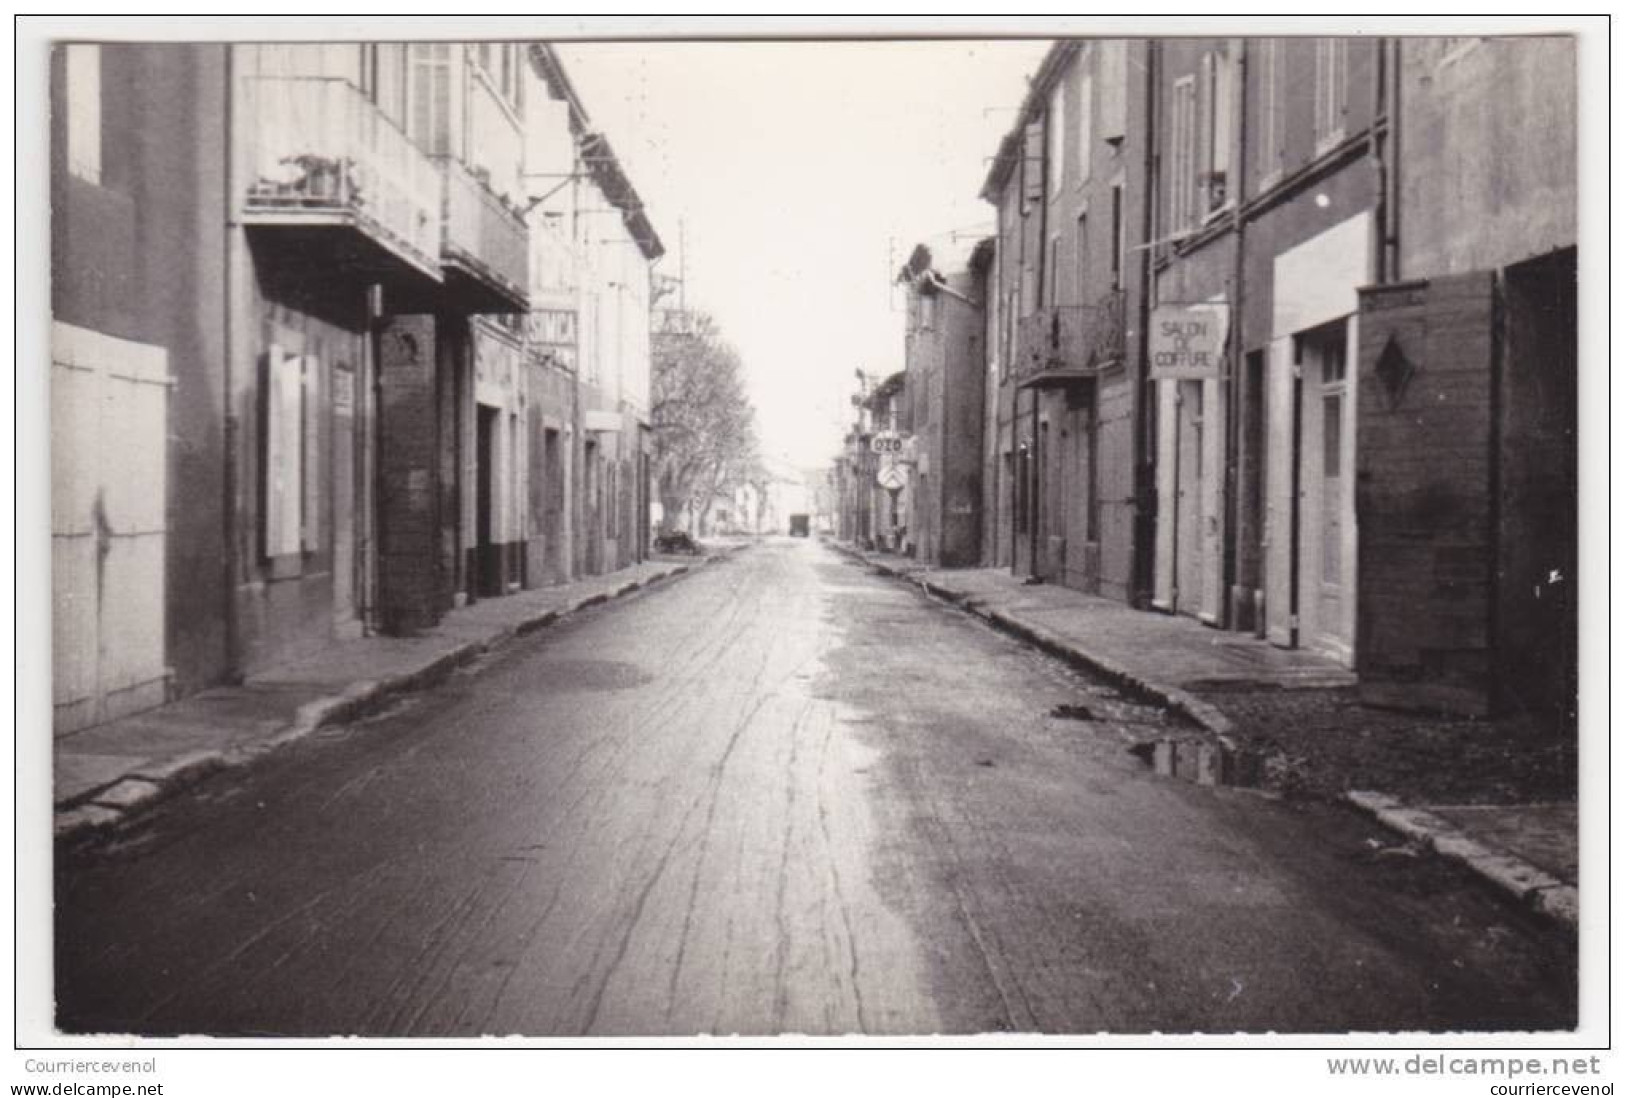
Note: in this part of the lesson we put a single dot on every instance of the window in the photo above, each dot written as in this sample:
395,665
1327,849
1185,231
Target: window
429,123
1113,119
1083,255
1119,239
290,470
1331,91
1052,276
1270,154
928,310
1055,130
1022,486
1032,165
1008,334
1182,156
82,80
383,78
1214,168
1086,131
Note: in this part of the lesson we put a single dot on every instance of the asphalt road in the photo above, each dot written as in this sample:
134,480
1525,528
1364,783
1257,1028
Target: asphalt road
780,795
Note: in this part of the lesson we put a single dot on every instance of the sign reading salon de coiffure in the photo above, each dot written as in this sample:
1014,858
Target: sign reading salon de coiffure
1187,341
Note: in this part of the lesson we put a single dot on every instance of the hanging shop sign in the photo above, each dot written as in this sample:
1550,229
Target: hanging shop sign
1187,341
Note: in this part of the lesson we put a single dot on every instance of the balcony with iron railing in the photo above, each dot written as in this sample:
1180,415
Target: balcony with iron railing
1061,344
320,157
485,250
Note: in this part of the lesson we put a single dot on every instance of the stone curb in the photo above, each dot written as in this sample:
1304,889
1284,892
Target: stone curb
1533,887
1529,885
119,801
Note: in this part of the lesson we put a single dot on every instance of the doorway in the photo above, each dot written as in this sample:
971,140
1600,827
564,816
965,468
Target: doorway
487,553
1324,603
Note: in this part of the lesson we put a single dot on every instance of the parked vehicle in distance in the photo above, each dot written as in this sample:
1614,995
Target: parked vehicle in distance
677,541
799,526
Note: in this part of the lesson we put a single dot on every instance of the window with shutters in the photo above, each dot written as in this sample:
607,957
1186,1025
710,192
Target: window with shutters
1331,92
82,65
383,78
1009,332
1086,128
1271,153
290,468
1213,169
1055,132
1032,165
1113,118
1181,185
500,64
429,123
1052,275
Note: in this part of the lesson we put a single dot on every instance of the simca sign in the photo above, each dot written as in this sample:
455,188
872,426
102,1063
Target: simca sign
1187,341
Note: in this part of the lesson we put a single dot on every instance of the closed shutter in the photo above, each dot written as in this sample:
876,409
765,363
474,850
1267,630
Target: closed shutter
430,97
1032,164
283,473
310,431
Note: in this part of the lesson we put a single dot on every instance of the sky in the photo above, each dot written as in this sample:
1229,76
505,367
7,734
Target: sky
796,177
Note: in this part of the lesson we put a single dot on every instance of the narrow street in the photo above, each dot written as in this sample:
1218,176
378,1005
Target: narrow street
780,795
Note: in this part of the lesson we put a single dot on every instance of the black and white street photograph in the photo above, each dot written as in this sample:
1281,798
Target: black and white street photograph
599,532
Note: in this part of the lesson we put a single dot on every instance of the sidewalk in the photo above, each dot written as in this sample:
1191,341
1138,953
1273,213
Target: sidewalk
104,774
1497,796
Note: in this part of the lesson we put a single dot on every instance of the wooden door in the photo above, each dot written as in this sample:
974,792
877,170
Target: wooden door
109,459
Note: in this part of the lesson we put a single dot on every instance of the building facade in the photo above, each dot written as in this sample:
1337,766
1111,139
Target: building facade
298,392
945,366
1468,370
1381,235
1066,392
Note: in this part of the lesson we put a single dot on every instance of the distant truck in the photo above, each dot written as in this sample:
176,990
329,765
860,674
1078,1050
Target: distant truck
799,526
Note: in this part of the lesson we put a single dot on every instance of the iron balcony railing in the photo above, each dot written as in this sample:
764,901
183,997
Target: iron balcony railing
483,233
321,152
1070,340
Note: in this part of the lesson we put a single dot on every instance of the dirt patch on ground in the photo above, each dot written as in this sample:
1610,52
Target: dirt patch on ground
1325,742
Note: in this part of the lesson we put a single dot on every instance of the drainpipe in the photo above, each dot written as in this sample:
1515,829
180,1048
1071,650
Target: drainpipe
1032,495
1392,211
1144,471
1379,168
1232,384
233,336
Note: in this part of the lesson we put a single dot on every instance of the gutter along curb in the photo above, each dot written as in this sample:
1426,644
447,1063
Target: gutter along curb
117,802
1524,882
1527,884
